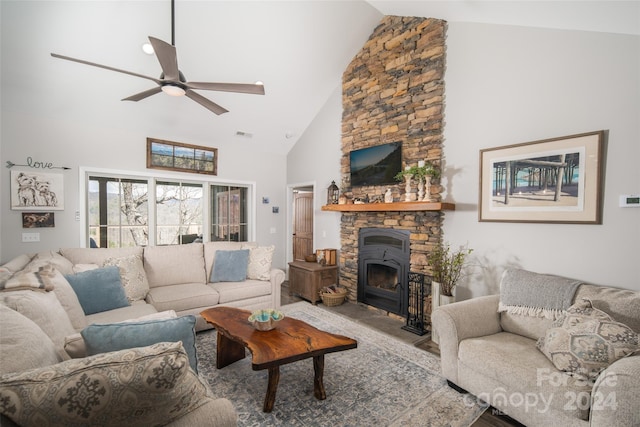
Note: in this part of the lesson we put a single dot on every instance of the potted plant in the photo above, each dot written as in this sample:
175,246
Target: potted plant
422,173
406,175
428,169
446,266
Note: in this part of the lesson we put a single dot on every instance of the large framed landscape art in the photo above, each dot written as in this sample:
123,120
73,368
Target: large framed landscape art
176,156
553,180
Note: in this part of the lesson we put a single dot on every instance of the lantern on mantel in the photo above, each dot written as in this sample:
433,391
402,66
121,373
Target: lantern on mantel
332,194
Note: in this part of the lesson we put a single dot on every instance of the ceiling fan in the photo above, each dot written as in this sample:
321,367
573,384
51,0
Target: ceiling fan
172,81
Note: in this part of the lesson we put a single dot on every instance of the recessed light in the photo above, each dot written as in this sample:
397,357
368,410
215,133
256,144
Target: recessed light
147,48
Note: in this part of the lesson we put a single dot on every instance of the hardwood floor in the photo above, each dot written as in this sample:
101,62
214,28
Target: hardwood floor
376,319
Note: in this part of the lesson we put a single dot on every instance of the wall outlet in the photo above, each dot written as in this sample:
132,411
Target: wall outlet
30,237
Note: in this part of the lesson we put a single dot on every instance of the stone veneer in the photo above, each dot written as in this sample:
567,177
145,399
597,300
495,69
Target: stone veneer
393,90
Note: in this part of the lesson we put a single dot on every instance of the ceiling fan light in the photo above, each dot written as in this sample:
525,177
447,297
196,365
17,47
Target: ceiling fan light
173,90
147,48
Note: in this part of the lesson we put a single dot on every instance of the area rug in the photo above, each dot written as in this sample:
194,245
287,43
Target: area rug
383,382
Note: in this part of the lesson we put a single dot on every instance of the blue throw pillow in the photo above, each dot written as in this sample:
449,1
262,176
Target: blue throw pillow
99,289
230,266
103,338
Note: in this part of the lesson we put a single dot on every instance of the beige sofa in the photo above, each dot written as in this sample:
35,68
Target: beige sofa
157,280
178,279
493,348
179,276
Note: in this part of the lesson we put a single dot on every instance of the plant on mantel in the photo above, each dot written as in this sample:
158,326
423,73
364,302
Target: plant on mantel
446,266
419,172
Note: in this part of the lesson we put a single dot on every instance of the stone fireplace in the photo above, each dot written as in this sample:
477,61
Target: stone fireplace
393,90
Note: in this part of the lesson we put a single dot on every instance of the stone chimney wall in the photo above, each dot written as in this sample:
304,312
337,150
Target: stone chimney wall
393,90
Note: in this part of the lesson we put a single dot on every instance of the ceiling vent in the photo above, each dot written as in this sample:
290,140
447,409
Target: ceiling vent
244,134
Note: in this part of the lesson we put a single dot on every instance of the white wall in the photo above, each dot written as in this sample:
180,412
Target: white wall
507,85
66,142
316,158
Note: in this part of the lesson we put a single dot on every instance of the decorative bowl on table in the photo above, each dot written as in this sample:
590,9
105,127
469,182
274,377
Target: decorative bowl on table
266,319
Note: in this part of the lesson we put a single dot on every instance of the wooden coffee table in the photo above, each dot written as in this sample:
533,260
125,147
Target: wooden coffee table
290,341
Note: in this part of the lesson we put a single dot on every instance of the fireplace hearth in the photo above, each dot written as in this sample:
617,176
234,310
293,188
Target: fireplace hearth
383,267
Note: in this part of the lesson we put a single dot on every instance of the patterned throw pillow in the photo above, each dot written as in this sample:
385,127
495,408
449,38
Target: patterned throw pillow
586,341
141,386
260,262
132,276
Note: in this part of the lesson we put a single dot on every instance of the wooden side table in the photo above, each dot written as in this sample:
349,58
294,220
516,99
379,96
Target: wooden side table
306,279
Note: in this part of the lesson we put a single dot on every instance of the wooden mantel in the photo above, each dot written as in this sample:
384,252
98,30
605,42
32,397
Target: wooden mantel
391,207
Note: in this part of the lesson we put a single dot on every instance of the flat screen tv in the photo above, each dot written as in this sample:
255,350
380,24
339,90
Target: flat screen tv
377,165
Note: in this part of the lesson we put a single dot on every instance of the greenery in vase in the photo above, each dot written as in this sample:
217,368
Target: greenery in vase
400,175
446,266
419,172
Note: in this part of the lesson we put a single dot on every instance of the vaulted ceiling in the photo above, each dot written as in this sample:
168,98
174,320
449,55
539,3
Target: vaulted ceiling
299,49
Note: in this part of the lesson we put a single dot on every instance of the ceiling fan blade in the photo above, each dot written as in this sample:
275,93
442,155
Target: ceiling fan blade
106,67
142,95
255,89
167,57
210,105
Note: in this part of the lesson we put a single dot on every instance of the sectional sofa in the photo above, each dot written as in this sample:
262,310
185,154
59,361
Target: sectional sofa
160,278
53,296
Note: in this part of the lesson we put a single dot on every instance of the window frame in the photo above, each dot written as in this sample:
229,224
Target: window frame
207,181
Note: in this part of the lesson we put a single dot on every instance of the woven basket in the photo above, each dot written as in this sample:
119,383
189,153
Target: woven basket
331,300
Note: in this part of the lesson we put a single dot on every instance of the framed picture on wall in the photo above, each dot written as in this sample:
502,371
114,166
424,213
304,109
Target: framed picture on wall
176,156
37,191
553,180
38,219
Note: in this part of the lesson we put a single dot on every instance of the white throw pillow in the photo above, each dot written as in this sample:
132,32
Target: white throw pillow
260,259
24,345
43,309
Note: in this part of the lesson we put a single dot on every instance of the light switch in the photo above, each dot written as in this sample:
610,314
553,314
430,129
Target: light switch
630,201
